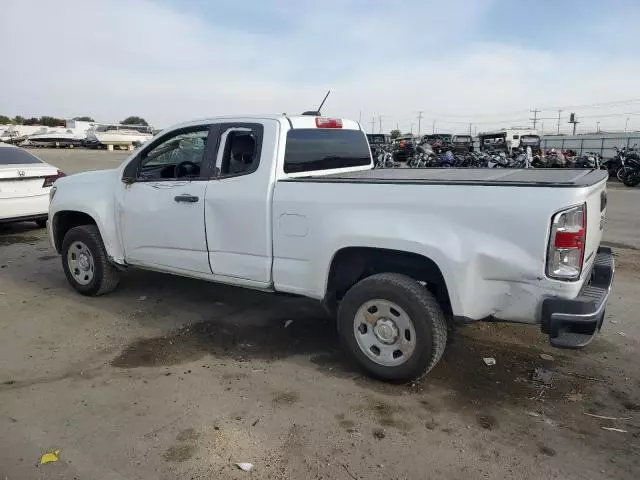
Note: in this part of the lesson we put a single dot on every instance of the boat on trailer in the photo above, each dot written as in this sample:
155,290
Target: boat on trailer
111,136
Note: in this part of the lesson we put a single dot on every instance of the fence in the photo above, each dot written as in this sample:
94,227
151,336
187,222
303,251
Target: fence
604,144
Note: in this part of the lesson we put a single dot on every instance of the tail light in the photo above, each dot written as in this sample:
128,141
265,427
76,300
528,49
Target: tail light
566,243
328,122
48,181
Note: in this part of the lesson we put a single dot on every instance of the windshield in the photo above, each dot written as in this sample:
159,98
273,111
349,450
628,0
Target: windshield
324,149
493,139
109,128
105,128
376,139
16,156
437,138
530,139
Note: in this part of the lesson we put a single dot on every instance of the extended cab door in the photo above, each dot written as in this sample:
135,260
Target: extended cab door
238,202
161,204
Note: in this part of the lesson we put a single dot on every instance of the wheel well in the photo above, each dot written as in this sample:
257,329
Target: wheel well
352,264
65,221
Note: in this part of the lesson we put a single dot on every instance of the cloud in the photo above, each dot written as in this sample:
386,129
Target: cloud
173,61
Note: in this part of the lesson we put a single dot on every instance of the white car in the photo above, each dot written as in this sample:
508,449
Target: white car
25,183
292,204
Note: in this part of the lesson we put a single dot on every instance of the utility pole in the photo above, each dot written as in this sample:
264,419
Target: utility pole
411,131
434,127
397,126
541,128
559,113
597,127
573,119
535,117
360,117
626,125
380,120
469,129
419,120
373,124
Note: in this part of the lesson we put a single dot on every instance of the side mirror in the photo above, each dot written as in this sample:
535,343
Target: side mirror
131,171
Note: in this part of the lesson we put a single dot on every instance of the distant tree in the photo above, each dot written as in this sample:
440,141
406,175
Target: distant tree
51,121
18,120
84,119
4,120
395,133
133,120
30,121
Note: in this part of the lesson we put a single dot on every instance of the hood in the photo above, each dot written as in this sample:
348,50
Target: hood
94,177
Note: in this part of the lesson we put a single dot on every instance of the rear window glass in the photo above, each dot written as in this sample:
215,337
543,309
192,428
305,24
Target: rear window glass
313,149
16,156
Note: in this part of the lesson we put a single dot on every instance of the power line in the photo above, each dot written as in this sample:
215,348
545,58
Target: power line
561,107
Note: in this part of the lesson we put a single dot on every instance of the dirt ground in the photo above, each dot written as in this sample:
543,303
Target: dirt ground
172,378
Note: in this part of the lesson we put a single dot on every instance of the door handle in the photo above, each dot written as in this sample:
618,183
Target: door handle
186,198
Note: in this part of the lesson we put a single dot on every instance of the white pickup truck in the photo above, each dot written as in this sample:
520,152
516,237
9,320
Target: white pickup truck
292,204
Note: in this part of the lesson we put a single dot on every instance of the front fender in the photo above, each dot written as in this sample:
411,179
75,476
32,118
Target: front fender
92,194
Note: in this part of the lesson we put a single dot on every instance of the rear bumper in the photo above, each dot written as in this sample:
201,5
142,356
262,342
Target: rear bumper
573,323
26,218
24,208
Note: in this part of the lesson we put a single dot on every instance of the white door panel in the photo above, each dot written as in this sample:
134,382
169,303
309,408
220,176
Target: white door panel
238,204
161,207
158,230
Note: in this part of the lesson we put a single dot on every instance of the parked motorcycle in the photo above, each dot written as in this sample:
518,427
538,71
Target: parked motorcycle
588,160
555,159
383,158
422,157
623,161
447,159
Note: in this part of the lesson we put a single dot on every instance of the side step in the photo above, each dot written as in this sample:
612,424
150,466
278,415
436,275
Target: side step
571,340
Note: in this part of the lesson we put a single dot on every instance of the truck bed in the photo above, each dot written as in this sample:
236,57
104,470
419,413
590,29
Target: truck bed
532,177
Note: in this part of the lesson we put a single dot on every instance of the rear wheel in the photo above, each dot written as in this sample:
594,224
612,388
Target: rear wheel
631,178
392,326
86,263
620,174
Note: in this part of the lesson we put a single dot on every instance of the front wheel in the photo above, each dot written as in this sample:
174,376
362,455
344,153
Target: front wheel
85,262
392,326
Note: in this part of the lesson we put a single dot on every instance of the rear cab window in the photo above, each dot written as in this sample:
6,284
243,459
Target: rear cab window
316,149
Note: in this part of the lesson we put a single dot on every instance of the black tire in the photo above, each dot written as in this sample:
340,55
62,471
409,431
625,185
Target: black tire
105,276
41,222
424,312
631,179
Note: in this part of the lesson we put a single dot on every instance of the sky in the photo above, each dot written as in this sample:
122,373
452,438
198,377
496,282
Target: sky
481,62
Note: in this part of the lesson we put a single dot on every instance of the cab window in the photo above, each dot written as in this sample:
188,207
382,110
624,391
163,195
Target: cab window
178,157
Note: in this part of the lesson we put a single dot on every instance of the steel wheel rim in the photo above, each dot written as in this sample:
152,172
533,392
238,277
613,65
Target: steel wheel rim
81,263
384,332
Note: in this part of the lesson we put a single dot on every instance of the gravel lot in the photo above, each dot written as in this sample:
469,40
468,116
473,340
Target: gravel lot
172,378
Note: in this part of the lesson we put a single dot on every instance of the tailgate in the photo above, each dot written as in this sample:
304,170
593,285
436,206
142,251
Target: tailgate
596,210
